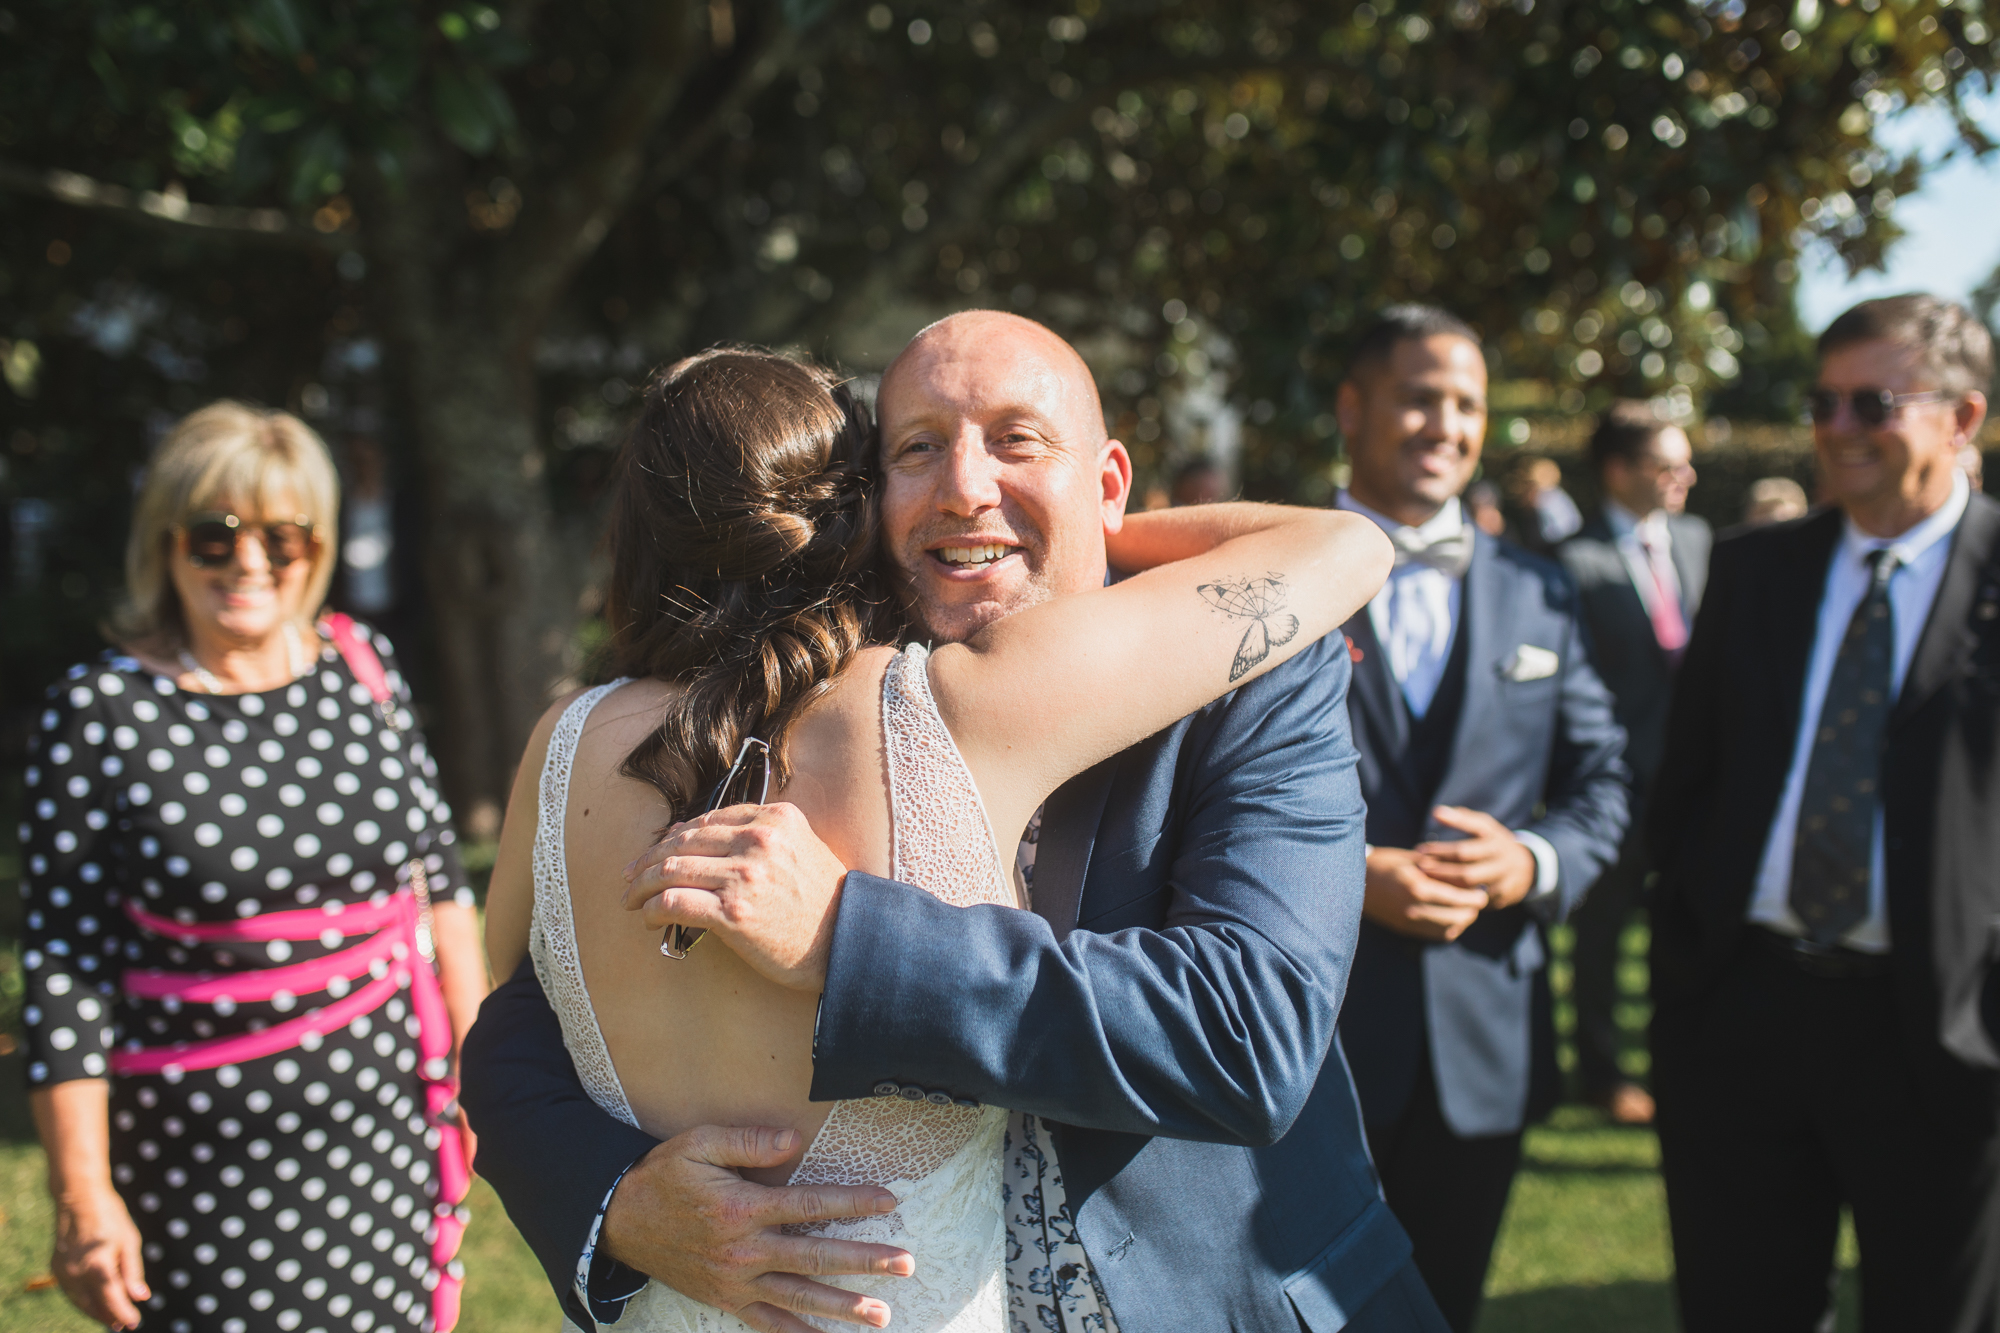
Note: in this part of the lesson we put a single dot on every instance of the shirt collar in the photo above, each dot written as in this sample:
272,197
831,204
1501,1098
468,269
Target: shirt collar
1911,546
1625,523
1443,523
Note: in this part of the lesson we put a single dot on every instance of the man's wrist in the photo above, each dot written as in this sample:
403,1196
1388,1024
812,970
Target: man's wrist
1548,866
605,1283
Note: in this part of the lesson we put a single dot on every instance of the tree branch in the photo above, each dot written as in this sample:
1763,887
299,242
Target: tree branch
170,210
778,47
566,219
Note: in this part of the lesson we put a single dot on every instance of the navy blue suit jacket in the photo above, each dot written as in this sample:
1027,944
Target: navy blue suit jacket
1170,1004
1541,754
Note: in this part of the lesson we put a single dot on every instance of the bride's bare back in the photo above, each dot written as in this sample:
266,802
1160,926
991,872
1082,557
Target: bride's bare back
703,1040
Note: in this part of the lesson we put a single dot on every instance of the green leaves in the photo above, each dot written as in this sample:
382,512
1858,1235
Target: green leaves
274,25
471,108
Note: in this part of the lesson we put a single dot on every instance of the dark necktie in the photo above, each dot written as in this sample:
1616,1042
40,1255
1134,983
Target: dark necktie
1832,854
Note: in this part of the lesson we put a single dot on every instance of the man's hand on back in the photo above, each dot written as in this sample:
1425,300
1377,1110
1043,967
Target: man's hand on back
684,1216
756,875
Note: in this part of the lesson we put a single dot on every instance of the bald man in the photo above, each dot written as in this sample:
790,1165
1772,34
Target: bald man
1186,1152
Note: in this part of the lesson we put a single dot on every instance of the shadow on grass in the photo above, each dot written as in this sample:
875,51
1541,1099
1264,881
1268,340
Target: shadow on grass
16,1125
1628,1307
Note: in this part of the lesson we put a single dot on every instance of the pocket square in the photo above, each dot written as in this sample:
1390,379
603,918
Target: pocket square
1530,663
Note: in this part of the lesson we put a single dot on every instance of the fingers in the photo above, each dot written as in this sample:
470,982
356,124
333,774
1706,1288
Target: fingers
788,1291
133,1264
1438,893
834,1203
708,831
770,1319
1483,847
684,907
822,1256
737,1146
1466,821
1464,875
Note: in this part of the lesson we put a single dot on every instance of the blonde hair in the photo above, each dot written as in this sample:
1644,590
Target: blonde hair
224,453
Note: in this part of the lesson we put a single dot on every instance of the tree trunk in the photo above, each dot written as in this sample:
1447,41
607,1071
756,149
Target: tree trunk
503,580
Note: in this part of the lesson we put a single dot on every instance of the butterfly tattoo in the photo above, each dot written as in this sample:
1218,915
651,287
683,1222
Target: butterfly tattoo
1262,603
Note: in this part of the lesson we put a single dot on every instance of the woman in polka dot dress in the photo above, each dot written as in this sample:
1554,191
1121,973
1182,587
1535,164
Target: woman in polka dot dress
239,1057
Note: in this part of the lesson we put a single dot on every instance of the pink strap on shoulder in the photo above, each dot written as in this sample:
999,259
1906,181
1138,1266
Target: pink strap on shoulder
361,658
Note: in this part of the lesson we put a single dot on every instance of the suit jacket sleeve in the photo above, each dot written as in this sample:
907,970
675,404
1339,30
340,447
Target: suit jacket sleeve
1212,1025
1587,800
549,1151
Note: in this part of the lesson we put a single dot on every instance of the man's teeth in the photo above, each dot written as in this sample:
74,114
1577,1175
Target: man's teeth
973,555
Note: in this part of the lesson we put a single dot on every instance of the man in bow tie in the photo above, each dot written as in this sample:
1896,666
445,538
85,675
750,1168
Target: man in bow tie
1496,794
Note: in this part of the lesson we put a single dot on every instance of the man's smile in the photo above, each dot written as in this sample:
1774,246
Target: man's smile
962,557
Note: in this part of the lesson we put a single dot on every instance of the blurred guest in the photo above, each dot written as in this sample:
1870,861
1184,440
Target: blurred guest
228,943
1537,488
1972,463
1482,503
1639,565
1200,482
1496,795
1774,500
370,536
1827,821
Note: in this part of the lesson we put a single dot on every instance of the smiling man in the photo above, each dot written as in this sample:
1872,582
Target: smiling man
1185,1153
1826,925
1490,763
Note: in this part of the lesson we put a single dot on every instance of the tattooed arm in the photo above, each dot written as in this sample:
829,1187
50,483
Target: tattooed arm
1232,591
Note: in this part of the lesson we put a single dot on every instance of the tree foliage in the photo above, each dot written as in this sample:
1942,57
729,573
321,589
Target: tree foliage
515,209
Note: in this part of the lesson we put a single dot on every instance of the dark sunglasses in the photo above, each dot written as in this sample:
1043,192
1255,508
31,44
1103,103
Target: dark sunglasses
1871,407
212,538
735,789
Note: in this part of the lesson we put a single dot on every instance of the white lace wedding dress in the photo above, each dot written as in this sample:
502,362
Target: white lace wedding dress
942,1161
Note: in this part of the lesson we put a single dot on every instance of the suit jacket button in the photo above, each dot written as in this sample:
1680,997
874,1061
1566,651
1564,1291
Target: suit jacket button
966,1103
886,1089
939,1099
913,1094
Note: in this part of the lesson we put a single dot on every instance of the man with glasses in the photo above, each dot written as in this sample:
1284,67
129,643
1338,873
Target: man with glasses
1826,820
1639,565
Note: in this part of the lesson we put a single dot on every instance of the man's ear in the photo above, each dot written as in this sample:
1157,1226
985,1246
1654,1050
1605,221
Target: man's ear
1971,416
1115,476
1347,409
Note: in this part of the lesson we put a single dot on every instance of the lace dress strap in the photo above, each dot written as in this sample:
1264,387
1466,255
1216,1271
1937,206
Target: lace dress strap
943,839
552,937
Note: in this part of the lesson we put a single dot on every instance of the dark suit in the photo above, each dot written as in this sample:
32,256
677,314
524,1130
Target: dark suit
1640,675
1452,1045
1785,1093
1170,1003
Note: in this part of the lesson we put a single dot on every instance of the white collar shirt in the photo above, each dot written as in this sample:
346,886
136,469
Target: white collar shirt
1414,618
1416,612
1646,544
1922,553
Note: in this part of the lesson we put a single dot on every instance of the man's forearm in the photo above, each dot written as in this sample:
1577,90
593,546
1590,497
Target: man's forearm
549,1151
1206,1032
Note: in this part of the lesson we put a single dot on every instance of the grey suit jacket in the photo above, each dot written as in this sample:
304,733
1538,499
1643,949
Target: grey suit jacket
1619,633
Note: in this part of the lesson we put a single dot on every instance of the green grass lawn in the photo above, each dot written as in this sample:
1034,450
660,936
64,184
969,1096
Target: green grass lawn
1583,1250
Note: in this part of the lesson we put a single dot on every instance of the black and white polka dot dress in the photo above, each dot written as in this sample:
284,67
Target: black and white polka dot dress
290,1192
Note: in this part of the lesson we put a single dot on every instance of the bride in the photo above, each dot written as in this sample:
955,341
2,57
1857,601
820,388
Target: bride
748,610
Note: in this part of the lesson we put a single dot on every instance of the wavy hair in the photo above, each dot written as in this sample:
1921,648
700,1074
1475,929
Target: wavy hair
744,564
227,452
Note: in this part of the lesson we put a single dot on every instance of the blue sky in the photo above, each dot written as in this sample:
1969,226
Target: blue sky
1952,240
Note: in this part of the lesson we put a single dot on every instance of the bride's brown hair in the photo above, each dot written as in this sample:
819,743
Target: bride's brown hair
744,566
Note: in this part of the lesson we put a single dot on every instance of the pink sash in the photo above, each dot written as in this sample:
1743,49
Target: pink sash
396,956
